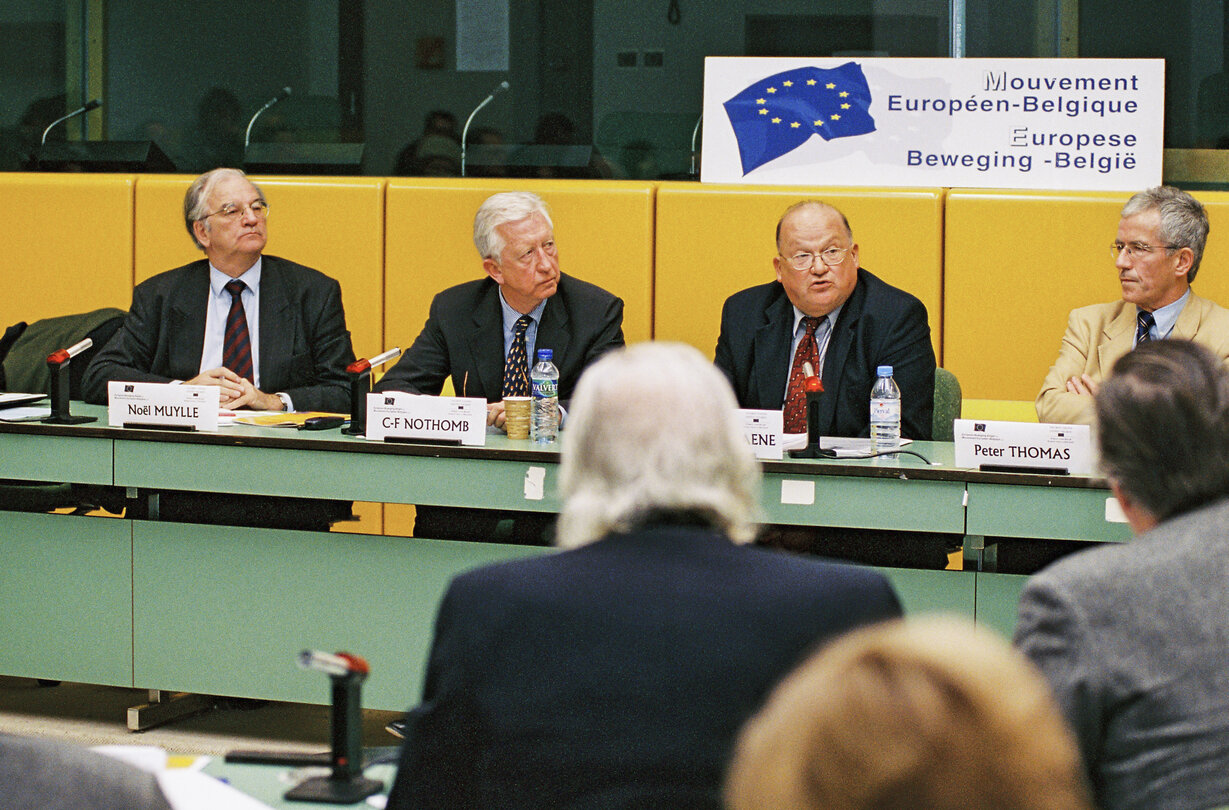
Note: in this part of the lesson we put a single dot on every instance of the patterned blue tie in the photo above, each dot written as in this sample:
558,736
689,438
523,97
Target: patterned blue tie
516,368
236,346
1143,330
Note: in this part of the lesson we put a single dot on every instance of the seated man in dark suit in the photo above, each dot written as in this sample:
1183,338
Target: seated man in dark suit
1132,636
247,323
270,333
826,310
618,672
523,303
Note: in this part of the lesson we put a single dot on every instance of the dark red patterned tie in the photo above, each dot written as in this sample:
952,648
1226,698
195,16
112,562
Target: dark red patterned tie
516,368
796,400
236,346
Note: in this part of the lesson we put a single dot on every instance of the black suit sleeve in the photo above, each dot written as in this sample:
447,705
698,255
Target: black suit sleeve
444,738
319,383
129,354
907,348
423,367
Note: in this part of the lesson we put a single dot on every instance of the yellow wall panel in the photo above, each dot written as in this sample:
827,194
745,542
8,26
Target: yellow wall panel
335,225
67,242
714,240
604,230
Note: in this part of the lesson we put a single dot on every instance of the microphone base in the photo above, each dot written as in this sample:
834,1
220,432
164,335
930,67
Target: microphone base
334,791
810,451
69,420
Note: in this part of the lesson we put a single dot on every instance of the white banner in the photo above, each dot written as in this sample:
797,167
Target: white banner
1095,124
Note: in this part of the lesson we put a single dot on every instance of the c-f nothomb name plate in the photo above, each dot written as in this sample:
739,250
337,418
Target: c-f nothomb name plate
1094,124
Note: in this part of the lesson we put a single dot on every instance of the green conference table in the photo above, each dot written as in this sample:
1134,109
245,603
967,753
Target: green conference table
224,611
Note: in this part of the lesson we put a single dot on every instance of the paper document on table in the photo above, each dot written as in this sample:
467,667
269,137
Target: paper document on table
30,414
840,446
13,399
293,419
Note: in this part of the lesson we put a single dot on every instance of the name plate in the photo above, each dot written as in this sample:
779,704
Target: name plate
1023,446
763,431
189,407
399,415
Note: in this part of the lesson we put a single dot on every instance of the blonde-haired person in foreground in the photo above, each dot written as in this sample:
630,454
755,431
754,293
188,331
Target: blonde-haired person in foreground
931,713
618,672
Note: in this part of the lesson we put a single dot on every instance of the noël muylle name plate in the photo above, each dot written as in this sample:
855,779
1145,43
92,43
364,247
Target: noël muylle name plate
160,405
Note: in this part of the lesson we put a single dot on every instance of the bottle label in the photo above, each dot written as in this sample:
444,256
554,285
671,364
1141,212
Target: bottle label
544,389
885,410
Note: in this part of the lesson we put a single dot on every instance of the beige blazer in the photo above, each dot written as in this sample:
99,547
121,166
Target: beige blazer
1098,335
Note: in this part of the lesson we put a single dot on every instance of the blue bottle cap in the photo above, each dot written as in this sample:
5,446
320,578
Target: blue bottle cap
549,354
884,371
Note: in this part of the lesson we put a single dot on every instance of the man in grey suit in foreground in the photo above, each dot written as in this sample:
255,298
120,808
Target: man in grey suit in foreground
1134,638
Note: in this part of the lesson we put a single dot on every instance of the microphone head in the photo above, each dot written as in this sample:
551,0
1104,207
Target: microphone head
92,104
502,87
285,92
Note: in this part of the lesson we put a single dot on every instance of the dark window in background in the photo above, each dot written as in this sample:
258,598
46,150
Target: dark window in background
620,80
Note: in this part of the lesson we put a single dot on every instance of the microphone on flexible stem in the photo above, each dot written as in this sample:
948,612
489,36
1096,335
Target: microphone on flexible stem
502,87
694,133
247,136
360,387
92,104
60,385
813,387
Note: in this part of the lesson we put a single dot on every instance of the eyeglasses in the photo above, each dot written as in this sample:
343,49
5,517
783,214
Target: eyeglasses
805,261
529,256
260,209
1138,249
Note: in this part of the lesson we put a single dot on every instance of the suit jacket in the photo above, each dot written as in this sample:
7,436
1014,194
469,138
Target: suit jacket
1134,641
304,344
464,339
617,674
58,776
879,325
1098,335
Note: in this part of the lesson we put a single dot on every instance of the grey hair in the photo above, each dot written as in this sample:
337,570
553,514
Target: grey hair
1163,426
498,209
196,199
1184,222
654,431
813,204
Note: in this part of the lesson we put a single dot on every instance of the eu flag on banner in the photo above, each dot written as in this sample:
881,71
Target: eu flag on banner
778,114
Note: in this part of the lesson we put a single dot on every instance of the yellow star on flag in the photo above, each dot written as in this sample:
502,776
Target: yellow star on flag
776,120
772,89
810,81
794,125
830,86
788,83
835,117
844,94
763,111
761,101
844,106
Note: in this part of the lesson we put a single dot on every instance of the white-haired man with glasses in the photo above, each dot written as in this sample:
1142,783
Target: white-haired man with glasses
825,310
1160,242
269,332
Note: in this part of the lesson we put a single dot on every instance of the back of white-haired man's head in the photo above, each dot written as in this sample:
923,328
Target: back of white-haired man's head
653,433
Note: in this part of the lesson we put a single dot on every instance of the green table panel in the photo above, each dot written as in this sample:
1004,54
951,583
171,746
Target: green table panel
496,484
997,598
1060,513
869,503
221,610
76,459
923,592
66,592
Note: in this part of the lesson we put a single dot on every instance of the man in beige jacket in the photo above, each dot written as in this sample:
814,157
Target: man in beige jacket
1160,242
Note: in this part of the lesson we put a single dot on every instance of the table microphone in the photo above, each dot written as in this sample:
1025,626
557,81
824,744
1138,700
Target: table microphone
92,104
502,87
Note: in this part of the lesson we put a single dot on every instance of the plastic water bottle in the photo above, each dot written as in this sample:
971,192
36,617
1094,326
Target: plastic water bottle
885,412
544,409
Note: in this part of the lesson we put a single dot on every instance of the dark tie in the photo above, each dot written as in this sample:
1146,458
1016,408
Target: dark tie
516,368
796,401
1143,330
236,346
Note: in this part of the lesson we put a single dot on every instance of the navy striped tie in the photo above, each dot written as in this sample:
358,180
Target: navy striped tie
1143,328
236,345
516,367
